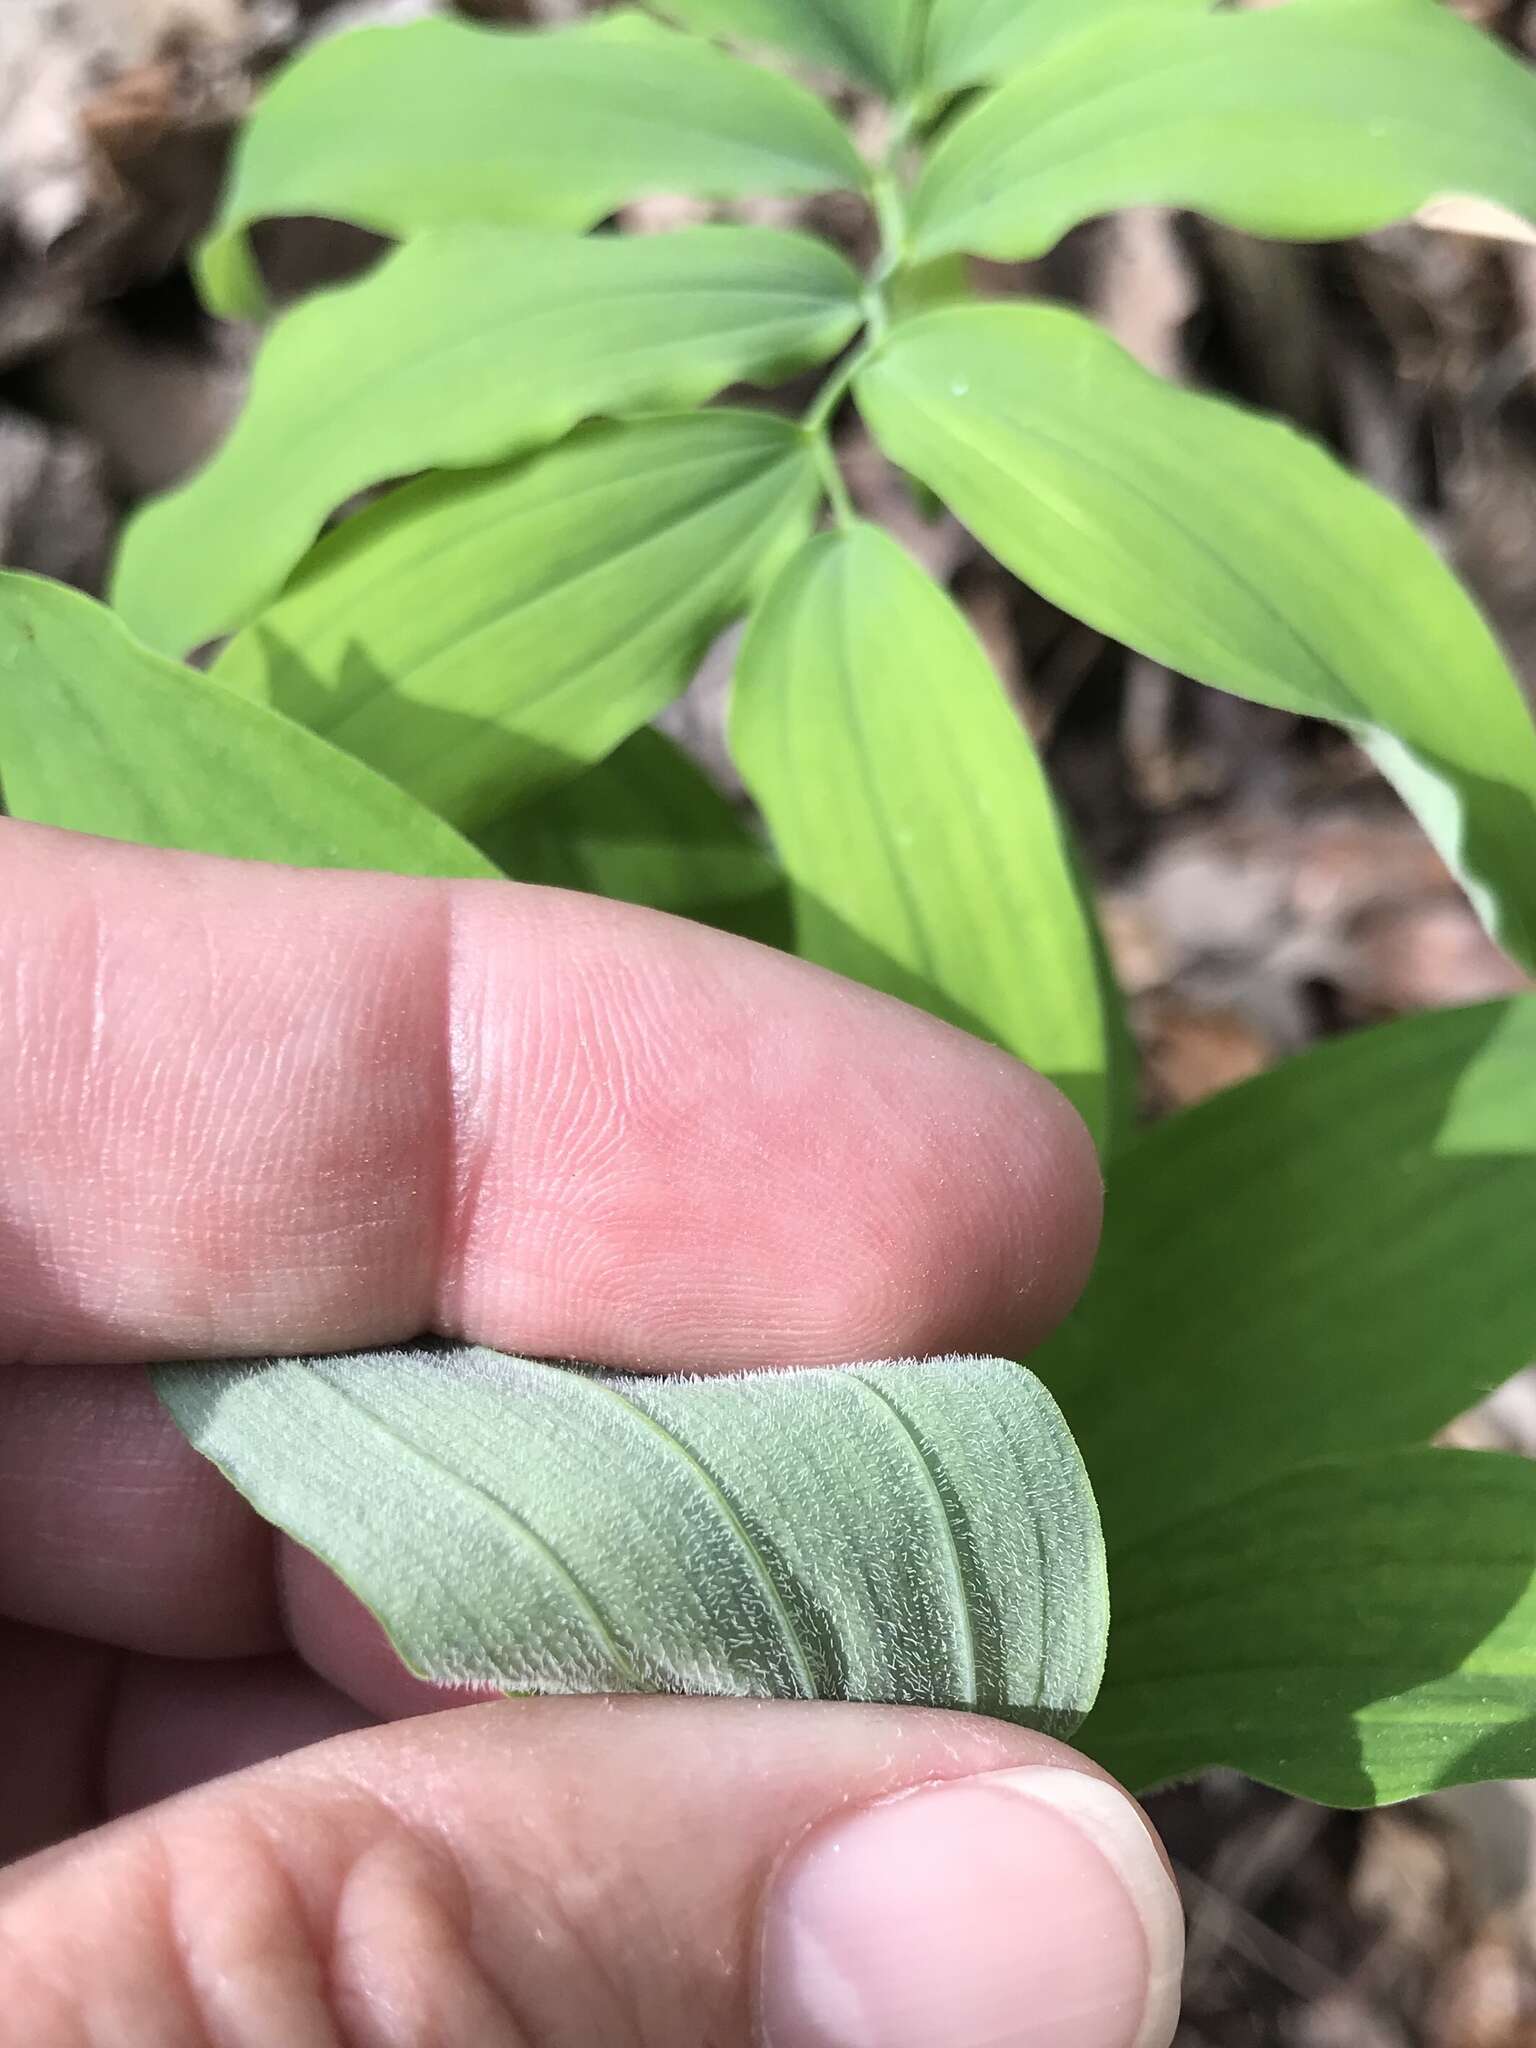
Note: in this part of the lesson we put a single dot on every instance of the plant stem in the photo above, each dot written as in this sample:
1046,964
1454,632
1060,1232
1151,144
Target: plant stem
843,509
889,202
830,396
891,214
888,196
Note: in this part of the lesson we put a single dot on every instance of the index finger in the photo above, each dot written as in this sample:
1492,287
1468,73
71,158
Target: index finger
253,1109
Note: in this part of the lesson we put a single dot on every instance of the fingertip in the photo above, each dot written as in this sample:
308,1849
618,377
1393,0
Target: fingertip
1028,1907
719,1156
983,1234
306,1111
1047,1177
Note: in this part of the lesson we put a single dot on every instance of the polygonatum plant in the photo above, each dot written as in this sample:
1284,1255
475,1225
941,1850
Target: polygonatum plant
577,468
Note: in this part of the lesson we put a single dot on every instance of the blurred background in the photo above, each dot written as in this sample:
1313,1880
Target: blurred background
1261,887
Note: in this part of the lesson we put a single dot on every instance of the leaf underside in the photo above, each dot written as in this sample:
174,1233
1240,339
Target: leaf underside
920,1534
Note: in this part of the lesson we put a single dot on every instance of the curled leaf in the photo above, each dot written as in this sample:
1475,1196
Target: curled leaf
921,1534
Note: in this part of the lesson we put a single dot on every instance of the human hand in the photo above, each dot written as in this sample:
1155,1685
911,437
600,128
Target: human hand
250,1110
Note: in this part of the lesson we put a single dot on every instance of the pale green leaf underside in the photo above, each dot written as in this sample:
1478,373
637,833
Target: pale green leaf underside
100,735
924,850
437,122
1229,547
969,41
1358,1633
922,1534
1313,120
1332,1259
481,637
647,826
468,346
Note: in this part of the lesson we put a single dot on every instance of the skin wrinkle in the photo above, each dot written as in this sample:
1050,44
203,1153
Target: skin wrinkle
365,1177
631,1119
580,1049
657,1124
271,1960
546,1922
351,1964
484,1938
227,2015
393,1985
183,1975
30,968
410,1841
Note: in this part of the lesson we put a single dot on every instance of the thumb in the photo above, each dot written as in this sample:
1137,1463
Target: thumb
613,1874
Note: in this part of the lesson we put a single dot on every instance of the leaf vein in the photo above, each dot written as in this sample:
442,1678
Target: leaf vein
501,1510
794,1646
954,1560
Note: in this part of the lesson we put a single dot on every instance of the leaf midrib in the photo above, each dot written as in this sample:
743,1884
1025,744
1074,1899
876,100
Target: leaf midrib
528,1536
791,1641
954,1563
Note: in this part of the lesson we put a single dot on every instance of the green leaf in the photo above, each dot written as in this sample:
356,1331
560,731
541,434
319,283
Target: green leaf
436,123
938,871
922,1534
1332,1259
479,638
916,288
1229,547
970,41
100,735
1122,1053
468,346
1356,1633
1315,120
647,826
877,41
